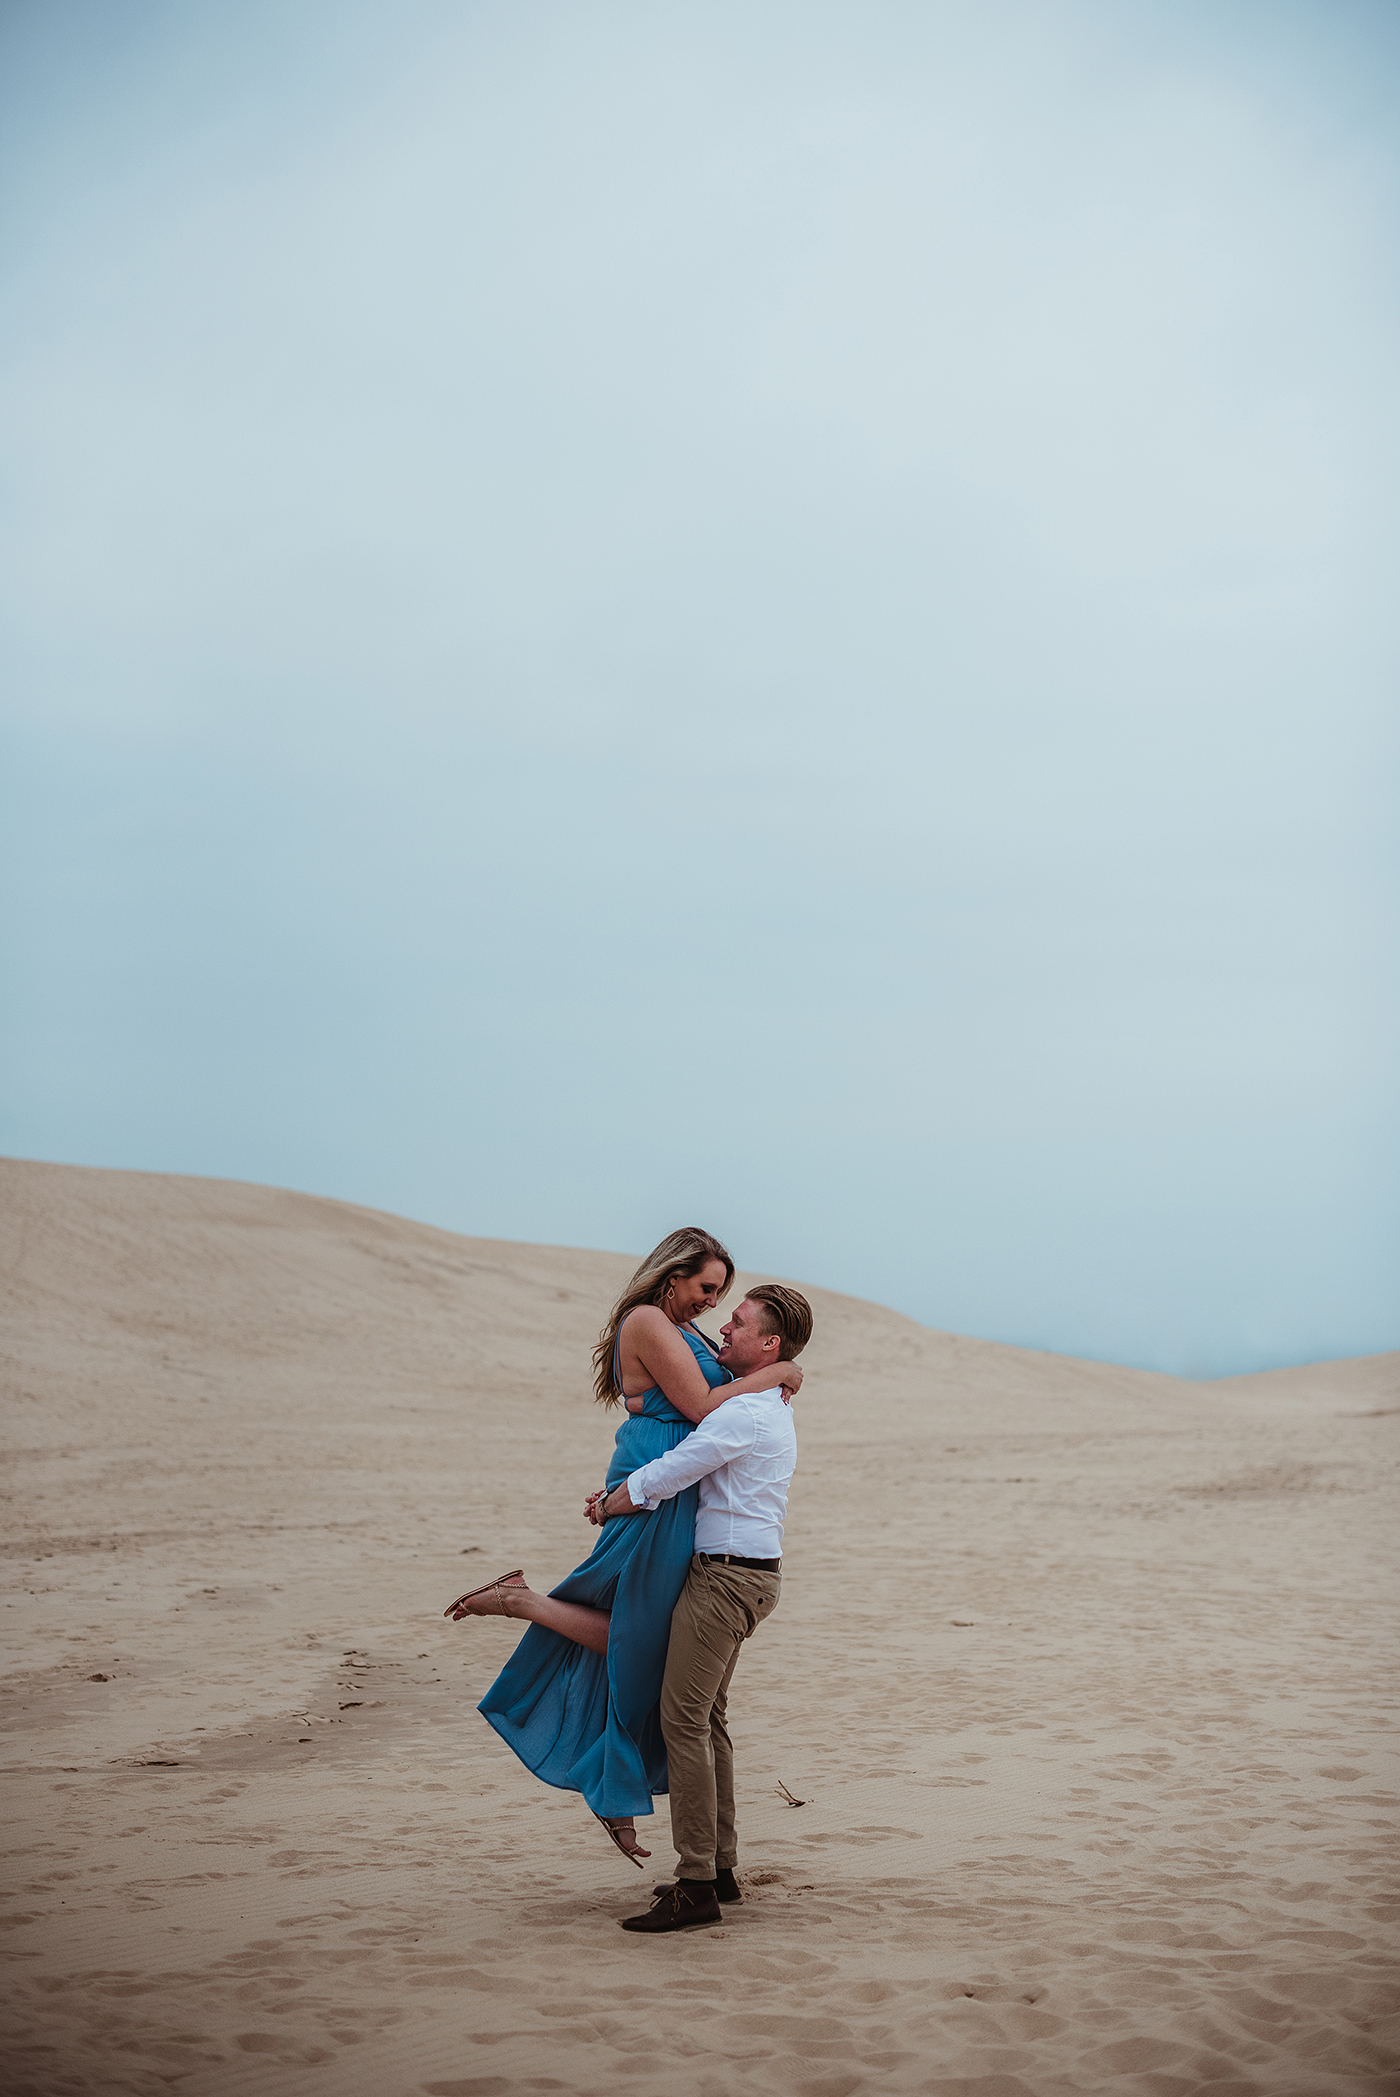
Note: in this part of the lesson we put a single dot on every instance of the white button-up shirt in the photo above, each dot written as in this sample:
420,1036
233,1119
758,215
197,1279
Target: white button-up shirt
743,1455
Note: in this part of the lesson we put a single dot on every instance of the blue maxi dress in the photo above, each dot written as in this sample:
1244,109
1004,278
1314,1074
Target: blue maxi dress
577,1719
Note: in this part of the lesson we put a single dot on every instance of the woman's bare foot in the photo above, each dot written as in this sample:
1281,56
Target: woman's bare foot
624,1834
495,1600
511,1596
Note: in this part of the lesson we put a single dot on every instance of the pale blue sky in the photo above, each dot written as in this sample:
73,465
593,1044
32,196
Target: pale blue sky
773,615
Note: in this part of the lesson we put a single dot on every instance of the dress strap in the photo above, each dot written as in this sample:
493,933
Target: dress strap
706,1338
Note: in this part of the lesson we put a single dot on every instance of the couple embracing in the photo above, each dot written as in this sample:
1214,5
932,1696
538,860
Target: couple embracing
618,1689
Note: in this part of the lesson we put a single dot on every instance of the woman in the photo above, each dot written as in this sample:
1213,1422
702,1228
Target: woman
577,1699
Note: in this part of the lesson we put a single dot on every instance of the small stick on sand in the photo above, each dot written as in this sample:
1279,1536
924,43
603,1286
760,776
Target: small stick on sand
783,1792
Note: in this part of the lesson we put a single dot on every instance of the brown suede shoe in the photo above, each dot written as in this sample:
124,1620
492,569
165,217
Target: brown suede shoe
685,1906
726,1886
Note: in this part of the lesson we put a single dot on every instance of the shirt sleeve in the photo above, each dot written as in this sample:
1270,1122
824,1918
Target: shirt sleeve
729,1431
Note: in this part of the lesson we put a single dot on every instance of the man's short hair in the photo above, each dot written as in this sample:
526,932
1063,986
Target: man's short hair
783,1311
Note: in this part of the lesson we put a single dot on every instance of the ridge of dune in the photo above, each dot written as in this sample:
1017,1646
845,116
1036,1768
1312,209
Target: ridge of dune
1359,1379
1082,1671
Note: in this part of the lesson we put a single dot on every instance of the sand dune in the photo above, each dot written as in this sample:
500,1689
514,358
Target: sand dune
1079,1671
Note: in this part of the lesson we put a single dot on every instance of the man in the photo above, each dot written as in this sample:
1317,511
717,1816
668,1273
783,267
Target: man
743,1456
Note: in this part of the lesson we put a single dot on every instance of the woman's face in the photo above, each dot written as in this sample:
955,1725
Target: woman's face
693,1293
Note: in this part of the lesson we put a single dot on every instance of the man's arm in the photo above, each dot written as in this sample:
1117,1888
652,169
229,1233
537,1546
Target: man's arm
603,1506
729,1431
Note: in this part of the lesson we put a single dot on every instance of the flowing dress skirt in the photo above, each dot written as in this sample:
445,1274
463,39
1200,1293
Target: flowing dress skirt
583,1721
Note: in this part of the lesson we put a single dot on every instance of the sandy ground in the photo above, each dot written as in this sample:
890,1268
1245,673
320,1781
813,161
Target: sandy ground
1081,1673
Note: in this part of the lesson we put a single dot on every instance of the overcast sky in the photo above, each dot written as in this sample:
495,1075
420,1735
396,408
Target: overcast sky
776,615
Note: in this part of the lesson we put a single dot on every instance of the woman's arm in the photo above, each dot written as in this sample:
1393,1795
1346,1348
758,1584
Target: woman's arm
650,1339
784,1374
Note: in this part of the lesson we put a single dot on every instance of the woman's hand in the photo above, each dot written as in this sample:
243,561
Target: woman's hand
790,1377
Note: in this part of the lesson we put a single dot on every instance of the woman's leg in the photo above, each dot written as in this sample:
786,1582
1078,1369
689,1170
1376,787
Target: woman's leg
586,1627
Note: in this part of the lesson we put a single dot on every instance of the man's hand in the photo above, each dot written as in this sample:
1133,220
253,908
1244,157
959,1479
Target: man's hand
600,1507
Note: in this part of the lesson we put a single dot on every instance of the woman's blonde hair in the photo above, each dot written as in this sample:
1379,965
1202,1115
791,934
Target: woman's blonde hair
676,1258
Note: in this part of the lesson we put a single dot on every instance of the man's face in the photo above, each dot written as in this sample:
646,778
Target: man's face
746,1345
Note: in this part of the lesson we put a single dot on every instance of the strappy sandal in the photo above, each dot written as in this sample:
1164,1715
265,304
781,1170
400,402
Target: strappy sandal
614,1833
487,1587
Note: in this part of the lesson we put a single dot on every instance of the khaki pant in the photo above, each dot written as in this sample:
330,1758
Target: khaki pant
720,1606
